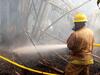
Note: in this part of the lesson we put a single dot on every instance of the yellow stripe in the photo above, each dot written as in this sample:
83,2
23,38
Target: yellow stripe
24,67
82,62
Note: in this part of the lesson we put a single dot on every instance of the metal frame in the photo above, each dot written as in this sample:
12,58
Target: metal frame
62,17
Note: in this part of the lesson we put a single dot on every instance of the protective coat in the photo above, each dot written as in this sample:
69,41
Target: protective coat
80,43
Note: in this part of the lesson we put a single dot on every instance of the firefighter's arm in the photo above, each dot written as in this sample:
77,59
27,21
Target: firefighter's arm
71,41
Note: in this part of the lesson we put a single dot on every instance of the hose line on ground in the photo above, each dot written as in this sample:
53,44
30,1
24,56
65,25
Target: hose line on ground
30,69
24,67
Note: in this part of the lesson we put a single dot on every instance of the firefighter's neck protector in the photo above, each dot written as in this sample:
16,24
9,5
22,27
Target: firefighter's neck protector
78,25
80,17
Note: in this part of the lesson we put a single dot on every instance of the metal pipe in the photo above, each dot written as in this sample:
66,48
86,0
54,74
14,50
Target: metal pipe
56,6
29,37
41,18
55,38
34,8
34,26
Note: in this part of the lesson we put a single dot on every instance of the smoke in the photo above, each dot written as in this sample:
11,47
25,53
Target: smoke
18,16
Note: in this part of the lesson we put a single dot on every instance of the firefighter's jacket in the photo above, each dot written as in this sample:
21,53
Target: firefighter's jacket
80,43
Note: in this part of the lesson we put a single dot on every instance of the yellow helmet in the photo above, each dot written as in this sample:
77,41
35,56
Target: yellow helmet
80,17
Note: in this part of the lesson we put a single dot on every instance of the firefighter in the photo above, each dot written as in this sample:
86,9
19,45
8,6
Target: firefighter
80,44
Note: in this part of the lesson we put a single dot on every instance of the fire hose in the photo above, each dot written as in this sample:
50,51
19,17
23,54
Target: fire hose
24,67
32,70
